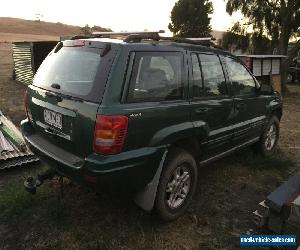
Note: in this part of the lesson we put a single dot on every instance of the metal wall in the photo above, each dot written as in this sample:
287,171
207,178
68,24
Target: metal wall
28,57
22,55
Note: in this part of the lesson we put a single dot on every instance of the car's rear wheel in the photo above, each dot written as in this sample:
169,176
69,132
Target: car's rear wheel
269,139
177,185
290,77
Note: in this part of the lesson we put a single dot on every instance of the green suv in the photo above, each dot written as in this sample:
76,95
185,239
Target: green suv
144,113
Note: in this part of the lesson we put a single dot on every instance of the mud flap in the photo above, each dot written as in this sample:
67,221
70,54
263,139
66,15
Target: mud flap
145,198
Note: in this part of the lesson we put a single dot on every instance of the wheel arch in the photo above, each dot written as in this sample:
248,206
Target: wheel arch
277,112
189,144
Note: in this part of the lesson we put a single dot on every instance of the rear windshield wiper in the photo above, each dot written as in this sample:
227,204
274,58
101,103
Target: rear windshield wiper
55,85
59,97
74,98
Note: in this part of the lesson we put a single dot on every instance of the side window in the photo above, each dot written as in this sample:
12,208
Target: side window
197,78
242,82
156,76
213,75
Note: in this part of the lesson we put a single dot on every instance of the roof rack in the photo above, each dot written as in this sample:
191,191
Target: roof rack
202,38
133,37
127,33
206,41
199,41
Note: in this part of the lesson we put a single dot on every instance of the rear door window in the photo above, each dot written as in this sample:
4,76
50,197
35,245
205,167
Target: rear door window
241,80
156,76
73,69
214,83
197,77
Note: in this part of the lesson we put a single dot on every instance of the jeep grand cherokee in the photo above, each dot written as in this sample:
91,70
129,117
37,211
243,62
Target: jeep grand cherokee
144,114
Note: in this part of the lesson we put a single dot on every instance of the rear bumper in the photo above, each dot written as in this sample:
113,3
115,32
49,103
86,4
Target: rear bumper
127,171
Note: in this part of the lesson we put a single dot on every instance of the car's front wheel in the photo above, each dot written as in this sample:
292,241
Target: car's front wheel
269,138
177,185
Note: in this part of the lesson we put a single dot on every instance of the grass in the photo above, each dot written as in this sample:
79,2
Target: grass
82,220
254,160
14,198
78,220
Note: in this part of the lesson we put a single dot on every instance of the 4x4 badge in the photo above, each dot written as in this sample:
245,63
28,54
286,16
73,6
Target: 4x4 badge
135,115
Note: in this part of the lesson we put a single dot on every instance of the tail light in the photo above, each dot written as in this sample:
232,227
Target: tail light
110,133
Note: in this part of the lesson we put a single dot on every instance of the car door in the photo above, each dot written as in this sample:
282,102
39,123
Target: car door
250,107
155,101
211,103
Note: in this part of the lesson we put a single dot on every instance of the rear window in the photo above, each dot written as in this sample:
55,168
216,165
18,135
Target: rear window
73,68
156,76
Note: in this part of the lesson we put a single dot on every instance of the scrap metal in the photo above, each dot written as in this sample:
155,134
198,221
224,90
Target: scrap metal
13,150
280,212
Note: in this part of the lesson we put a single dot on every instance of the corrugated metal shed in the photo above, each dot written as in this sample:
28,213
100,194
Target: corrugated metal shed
22,62
28,56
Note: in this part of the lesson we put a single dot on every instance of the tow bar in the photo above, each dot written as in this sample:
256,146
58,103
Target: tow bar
32,184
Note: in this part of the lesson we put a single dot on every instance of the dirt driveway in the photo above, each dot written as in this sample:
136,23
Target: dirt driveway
228,192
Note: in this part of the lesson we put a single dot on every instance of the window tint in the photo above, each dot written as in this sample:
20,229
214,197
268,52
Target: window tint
197,78
213,75
242,81
72,68
156,77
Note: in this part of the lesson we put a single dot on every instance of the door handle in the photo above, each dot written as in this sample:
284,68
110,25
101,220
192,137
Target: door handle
201,110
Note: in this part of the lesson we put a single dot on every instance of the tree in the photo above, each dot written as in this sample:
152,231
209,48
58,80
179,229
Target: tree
279,20
189,18
87,30
100,29
238,38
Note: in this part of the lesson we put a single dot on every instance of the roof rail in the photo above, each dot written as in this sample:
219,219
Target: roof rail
132,37
127,33
198,41
78,37
202,38
155,36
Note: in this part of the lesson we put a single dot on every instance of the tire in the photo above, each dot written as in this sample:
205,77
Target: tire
268,141
177,185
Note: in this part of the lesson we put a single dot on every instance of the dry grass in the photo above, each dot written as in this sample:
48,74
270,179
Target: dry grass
21,26
15,29
10,37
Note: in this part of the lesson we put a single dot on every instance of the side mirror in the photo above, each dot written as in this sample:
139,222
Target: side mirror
265,89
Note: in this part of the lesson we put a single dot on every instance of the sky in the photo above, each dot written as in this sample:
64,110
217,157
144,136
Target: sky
119,15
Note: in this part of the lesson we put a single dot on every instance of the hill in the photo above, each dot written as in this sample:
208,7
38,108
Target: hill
15,29
16,25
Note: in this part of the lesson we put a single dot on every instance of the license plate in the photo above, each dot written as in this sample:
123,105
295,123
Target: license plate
52,118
